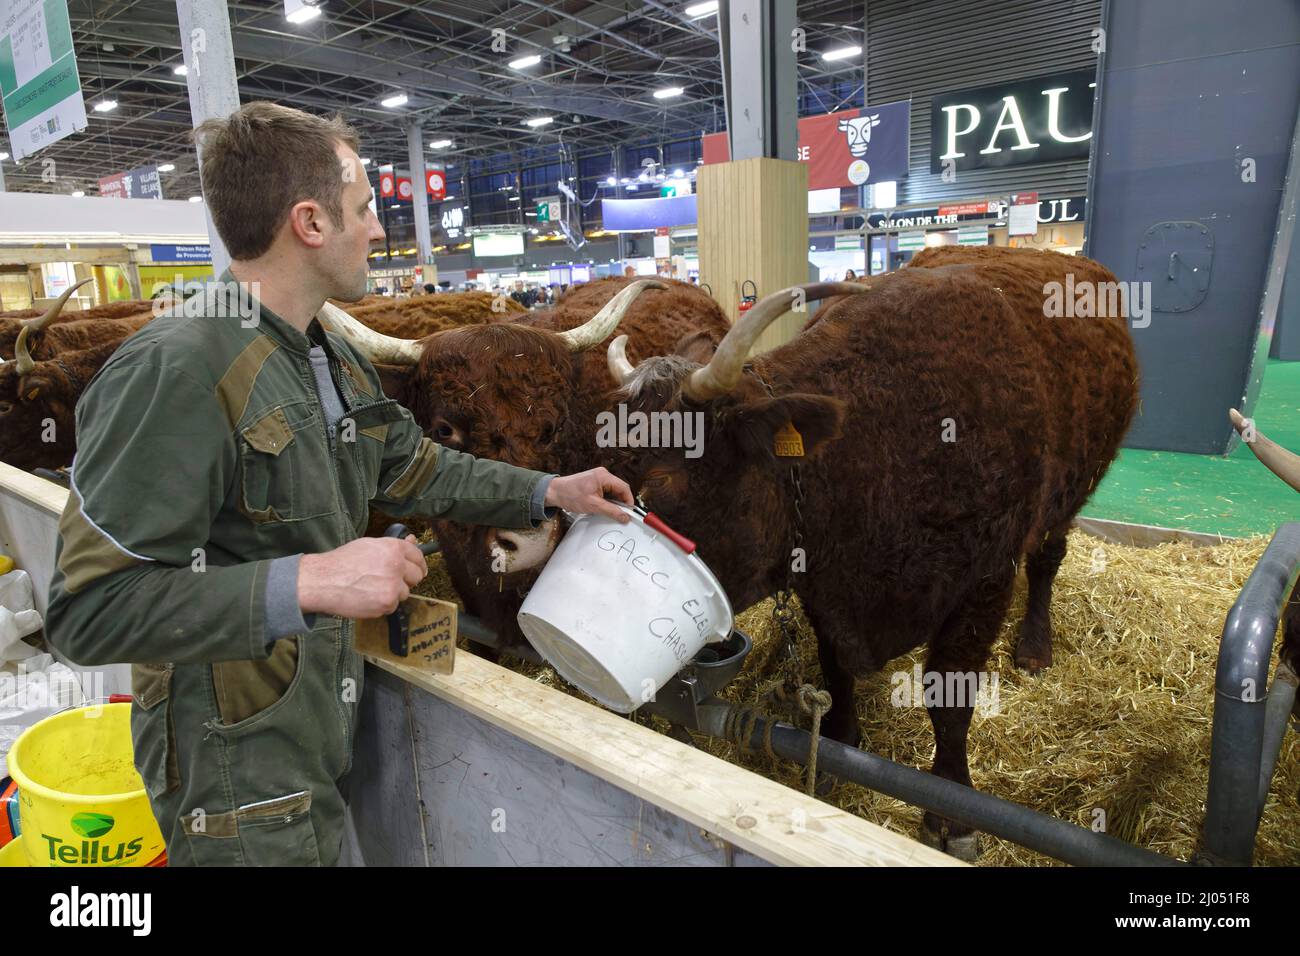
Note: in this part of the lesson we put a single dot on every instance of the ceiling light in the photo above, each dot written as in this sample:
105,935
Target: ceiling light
843,53
77,193
394,101
440,144
180,69
611,181
303,14
196,199
524,62
631,187
166,167
103,106
677,174
537,121
3,156
366,161
697,10
667,92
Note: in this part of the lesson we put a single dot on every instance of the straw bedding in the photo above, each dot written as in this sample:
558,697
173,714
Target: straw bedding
1116,732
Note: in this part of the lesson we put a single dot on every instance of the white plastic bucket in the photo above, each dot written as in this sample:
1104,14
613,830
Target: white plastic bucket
619,609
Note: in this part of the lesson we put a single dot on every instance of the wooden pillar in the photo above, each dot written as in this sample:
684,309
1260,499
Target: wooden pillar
753,223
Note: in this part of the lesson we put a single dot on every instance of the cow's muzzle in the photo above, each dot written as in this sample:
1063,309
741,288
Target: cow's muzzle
512,551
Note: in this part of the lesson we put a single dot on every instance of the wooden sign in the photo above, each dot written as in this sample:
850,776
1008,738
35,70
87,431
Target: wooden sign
421,633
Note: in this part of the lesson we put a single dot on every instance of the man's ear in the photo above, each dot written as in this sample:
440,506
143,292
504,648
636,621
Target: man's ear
758,425
305,222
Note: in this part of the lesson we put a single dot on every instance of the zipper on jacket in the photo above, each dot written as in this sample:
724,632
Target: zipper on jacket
341,515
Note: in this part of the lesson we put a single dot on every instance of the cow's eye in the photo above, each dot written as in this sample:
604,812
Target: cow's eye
445,433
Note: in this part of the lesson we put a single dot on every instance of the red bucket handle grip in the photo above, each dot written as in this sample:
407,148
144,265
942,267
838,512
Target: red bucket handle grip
683,542
119,698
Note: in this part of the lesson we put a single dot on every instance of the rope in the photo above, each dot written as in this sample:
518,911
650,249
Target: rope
738,727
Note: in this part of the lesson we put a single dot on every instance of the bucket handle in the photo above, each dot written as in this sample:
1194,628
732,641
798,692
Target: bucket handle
683,542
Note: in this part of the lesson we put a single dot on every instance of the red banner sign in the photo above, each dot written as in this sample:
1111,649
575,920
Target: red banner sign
965,209
394,185
436,183
848,148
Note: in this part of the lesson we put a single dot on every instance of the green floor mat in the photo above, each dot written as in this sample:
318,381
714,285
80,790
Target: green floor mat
1235,495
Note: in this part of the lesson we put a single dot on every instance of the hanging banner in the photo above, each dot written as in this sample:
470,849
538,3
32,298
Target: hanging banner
848,148
395,185
435,184
39,84
142,183
642,215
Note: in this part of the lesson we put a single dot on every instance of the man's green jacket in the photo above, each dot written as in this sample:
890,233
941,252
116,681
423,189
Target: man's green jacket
205,466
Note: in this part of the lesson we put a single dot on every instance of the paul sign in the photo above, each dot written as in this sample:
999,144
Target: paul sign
1030,121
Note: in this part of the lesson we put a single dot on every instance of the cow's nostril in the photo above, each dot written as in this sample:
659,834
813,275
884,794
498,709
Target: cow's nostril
6,408
506,543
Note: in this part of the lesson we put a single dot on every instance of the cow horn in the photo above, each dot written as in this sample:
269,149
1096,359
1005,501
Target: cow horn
376,346
616,355
32,326
596,329
722,373
1285,464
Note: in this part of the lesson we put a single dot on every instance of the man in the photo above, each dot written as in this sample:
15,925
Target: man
227,456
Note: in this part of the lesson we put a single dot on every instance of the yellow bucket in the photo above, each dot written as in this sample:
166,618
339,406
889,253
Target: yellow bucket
80,800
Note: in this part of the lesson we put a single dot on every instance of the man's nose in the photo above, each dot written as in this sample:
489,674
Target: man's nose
376,230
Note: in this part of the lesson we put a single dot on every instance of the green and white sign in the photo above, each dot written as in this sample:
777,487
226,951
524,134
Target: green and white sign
911,241
38,75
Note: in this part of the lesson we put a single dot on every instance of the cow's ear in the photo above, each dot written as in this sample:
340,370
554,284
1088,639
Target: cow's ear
785,425
697,347
394,380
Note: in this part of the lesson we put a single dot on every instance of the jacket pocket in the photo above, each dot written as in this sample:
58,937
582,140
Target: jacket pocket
153,729
248,692
274,832
283,465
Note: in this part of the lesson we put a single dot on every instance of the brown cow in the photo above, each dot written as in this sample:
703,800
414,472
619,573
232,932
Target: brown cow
523,394
947,428
42,338
51,386
37,424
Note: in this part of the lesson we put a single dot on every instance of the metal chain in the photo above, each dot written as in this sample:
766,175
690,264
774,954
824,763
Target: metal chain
783,615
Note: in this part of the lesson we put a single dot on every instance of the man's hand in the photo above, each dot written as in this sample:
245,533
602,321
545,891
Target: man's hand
584,493
365,578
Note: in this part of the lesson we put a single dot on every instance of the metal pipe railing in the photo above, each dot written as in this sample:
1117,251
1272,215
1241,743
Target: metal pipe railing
983,811
1239,766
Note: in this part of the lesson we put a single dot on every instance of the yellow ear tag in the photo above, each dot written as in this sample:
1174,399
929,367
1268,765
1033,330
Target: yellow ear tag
787,442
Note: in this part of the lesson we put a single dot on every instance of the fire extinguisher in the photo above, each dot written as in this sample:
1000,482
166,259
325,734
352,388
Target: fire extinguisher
747,299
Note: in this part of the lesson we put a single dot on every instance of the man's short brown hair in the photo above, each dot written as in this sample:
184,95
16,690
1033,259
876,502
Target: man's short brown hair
261,160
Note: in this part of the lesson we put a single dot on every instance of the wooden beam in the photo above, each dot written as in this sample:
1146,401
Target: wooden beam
758,815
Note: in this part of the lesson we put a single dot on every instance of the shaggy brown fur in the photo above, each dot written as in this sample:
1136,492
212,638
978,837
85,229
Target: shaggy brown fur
421,316
71,336
112,310
513,392
910,539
